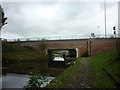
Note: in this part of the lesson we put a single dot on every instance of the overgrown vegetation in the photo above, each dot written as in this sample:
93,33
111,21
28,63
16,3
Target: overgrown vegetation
63,79
42,50
85,54
14,53
118,51
2,17
35,81
109,62
43,55
16,57
11,48
43,45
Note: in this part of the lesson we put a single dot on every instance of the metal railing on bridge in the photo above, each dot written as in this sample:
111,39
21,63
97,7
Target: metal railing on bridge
78,36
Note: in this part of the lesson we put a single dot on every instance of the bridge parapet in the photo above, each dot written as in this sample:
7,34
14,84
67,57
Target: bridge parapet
92,46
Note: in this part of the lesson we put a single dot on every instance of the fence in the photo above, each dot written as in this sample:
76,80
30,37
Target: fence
78,36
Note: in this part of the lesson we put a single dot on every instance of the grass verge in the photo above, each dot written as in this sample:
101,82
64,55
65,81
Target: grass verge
106,60
63,79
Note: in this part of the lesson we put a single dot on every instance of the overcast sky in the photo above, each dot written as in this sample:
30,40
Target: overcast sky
36,19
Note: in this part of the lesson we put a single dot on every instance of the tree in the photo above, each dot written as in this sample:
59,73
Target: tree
43,49
2,18
43,55
42,45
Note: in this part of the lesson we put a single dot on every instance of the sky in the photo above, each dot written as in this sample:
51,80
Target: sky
47,19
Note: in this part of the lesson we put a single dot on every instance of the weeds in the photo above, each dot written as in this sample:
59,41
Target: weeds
35,81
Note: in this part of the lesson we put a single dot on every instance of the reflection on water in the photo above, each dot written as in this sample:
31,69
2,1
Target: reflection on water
58,59
18,81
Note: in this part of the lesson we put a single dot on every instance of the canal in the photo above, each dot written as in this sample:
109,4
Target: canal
16,75
19,80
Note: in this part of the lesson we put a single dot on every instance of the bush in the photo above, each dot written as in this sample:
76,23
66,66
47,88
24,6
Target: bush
10,47
35,81
85,54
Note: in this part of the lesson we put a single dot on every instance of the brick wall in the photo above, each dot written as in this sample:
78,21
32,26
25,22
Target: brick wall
102,45
93,46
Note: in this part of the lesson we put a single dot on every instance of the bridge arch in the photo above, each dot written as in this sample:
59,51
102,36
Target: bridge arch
70,53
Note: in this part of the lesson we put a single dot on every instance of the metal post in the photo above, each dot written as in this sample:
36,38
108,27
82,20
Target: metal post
105,16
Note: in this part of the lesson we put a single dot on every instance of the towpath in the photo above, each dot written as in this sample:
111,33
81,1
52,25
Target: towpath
82,78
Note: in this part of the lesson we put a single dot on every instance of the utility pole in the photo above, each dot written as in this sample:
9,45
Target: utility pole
119,19
105,17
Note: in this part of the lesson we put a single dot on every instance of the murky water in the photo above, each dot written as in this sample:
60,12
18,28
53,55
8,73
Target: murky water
18,80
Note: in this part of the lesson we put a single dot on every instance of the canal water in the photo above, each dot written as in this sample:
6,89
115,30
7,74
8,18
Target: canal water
10,78
18,80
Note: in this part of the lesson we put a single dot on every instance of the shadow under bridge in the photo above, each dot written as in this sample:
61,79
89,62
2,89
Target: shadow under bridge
57,57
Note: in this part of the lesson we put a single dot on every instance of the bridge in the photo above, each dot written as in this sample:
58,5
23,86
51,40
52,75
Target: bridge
92,46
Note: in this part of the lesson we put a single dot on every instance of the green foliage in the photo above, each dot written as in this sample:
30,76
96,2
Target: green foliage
115,56
42,45
35,81
107,61
118,51
9,47
85,54
118,54
3,17
12,53
42,52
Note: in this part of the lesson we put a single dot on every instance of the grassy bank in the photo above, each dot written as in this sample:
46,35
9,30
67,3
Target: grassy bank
61,80
97,63
108,62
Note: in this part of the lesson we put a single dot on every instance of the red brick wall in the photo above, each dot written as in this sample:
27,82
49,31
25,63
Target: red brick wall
97,46
80,45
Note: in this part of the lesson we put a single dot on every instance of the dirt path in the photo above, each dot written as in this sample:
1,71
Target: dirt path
82,78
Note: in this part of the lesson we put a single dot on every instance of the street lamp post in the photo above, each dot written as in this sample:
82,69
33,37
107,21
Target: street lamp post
105,16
